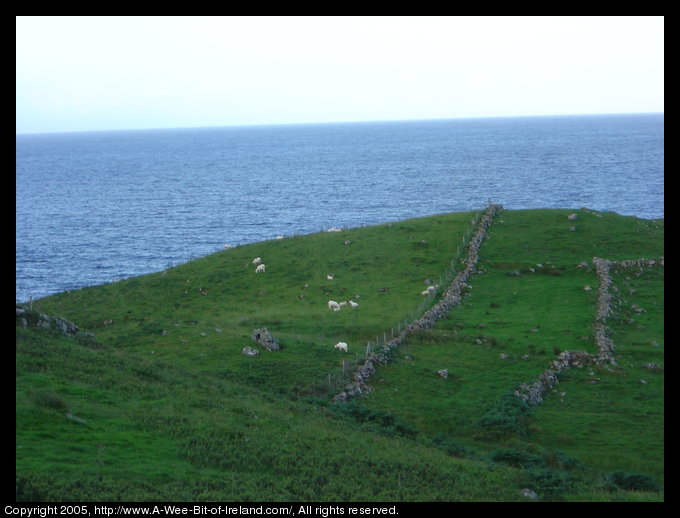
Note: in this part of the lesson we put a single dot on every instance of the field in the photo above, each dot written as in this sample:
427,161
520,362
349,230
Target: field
161,404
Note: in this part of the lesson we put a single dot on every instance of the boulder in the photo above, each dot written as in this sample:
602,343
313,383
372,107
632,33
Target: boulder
265,339
249,351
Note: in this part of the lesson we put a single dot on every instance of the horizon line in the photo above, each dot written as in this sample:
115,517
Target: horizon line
368,121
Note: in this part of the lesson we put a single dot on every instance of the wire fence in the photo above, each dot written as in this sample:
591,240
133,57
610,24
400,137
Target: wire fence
429,299
350,368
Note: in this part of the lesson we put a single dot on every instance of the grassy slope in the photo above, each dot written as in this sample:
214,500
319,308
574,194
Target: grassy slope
173,411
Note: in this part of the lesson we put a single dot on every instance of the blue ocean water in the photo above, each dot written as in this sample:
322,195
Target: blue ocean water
96,207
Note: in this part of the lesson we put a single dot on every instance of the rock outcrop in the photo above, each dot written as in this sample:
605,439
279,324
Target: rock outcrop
265,339
27,317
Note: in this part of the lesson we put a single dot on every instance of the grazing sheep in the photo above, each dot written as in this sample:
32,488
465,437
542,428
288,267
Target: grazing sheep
257,260
425,292
333,305
353,304
330,276
342,346
343,303
260,269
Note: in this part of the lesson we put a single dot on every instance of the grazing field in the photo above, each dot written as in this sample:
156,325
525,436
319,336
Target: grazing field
161,404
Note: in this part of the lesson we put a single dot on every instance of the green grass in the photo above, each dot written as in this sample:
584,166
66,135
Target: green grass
164,406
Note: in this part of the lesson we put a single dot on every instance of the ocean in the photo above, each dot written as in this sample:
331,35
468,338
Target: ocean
97,207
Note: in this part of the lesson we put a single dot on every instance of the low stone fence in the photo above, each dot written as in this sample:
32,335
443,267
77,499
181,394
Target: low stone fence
533,393
450,298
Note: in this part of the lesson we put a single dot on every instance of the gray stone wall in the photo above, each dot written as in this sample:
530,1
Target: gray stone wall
533,393
450,298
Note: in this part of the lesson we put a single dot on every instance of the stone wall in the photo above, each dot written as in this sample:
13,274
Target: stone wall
533,393
450,298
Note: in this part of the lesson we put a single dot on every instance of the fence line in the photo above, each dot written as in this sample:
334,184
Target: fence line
445,278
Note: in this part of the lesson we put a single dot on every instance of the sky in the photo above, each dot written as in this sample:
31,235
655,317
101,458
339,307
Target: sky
110,73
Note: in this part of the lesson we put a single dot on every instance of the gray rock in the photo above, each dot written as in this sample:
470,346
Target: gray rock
249,351
265,339
528,493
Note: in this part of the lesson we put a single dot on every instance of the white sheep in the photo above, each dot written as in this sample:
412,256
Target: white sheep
353,304
333,305
342,346
330,277
257,260
343,303
260,269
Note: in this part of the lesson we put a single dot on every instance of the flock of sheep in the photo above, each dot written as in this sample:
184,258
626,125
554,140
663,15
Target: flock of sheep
332,305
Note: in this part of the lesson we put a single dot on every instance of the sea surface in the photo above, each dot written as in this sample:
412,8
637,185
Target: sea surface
97,207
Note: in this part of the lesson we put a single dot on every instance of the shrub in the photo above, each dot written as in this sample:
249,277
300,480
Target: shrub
550,481
631,481
507,417
377,420
518,459
451,446
50,400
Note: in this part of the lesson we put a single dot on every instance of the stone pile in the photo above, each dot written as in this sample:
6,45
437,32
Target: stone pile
450,298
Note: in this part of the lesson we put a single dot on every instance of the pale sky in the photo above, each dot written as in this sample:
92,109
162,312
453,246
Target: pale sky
108,73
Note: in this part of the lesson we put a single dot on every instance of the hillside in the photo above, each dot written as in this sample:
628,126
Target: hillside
161,404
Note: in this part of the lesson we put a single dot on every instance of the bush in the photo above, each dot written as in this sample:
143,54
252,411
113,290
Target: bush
451,446
51,400
379,421
630,481
507,417
550,481
518,459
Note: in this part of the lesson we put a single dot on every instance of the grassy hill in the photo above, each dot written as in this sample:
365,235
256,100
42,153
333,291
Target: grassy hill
162,405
